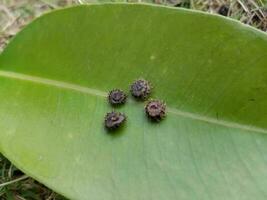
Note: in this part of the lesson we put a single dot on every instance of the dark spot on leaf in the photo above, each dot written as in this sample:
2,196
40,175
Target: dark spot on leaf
117,97
114,120
141,89
155,110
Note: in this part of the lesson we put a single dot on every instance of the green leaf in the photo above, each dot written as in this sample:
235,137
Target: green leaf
211,71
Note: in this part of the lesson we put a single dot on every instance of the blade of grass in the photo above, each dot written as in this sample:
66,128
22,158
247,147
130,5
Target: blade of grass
14,181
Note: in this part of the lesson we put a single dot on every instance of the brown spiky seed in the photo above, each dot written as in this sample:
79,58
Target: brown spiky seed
114,120
155,110
117,97
141,89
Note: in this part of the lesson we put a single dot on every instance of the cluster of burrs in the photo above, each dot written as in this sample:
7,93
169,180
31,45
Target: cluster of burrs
140,90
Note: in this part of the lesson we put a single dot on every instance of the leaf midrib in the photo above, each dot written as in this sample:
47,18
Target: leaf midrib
95,92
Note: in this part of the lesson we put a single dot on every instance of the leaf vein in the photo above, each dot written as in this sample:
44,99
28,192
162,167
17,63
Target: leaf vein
95,92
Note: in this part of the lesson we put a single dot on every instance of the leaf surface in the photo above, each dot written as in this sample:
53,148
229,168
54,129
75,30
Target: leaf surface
211,71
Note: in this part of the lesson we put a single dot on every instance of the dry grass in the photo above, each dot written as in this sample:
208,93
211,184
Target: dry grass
14,14
252,12
14,185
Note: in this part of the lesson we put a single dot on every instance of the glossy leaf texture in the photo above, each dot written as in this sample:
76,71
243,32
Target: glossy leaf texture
211,71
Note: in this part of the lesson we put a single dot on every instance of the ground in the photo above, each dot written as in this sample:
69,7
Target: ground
15,14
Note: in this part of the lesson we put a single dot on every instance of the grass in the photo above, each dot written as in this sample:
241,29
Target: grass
14,185
15,14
